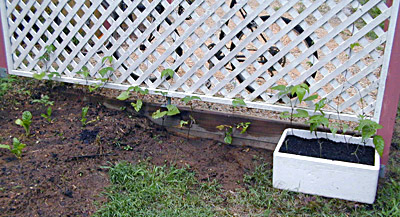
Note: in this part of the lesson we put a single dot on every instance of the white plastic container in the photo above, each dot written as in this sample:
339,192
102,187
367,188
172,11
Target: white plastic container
329,178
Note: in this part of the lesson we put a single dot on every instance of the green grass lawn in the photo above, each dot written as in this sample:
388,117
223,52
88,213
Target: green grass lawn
145,190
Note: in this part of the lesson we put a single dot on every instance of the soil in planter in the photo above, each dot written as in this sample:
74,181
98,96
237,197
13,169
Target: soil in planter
328,149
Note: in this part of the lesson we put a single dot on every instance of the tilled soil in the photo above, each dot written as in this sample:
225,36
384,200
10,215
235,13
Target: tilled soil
60,172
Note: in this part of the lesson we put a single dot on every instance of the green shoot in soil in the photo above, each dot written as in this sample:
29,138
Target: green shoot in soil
83,115
47,116
16,147
45,100
25,122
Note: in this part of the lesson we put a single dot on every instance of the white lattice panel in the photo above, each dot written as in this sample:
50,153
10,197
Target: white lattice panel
220,50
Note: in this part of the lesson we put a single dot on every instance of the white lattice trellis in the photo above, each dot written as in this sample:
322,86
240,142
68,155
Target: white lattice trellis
220,50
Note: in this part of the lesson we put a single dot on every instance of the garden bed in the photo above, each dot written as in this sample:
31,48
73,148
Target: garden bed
61,168
70,170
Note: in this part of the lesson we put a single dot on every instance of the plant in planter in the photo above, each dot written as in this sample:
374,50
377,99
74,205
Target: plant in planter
327,164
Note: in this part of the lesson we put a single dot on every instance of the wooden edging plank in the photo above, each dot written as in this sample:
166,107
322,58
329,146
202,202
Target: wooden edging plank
262,133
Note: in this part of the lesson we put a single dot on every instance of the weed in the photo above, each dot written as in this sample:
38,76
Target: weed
47,116
127,148
16,147
6,84
25,122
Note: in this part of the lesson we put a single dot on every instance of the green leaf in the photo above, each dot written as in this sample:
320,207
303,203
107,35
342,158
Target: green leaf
345,128
51,75
49,111
50,48
238,102
124,95
301,114
84,72
333,129
182,123
158,114
85,111
352,46
39,76
367,132
26,116
220,127
172,110
187,99
15,141
317,120
285,114
19,122
305,86
244,126
5,146
320,105
162,93
144,92
168,72
379,143
138,105
311,98
109,58
105,70
279,87
300,92
228,139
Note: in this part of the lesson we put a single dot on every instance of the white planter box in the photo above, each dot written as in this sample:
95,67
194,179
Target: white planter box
329,178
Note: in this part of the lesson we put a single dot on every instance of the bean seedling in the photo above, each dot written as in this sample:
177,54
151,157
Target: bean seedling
25,122
83,115
188,100
229,130
47,116
126,94
16,149
45,100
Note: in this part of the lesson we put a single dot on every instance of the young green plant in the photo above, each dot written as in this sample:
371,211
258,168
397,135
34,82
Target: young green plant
189,101
126,94
229,130
25,122
83,115
45,100
171,109
298,91
368,128
16,148
47,116
45,59
104,72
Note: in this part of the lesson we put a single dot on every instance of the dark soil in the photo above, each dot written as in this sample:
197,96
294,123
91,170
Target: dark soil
60,172
327,149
